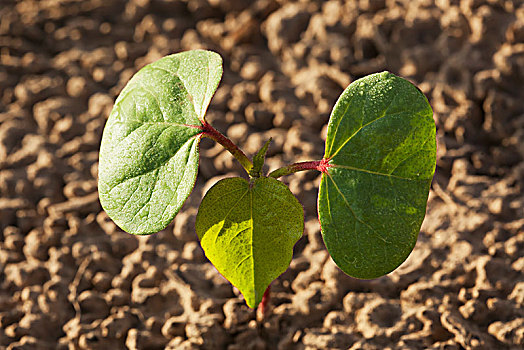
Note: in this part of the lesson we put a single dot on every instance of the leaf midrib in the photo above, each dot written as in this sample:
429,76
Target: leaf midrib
201,112
202,108
141,85
159,123
390,175
371,172
156,168
252,243
384,114
229,212
249,192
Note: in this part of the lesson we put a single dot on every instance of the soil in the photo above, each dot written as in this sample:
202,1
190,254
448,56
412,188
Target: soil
70,279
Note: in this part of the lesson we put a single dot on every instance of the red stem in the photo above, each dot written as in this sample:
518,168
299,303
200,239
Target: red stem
214,134
264,304
320,165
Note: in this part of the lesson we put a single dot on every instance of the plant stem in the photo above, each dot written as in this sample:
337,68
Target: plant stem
214,134
320,165
264,304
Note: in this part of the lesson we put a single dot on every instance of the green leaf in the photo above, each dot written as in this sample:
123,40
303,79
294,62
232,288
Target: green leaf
381,151
248,229
149,152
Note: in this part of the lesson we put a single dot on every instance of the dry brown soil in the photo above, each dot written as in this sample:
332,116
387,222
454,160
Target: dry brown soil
69,278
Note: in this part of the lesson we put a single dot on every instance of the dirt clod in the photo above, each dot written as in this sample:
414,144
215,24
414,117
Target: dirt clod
70,278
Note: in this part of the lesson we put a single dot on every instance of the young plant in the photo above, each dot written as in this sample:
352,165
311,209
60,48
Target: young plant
376,172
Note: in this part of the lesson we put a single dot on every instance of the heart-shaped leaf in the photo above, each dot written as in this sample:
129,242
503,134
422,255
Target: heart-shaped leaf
149,152
248,231
381,151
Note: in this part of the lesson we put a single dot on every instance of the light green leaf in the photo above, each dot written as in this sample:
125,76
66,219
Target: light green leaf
248,230
149,152
381,151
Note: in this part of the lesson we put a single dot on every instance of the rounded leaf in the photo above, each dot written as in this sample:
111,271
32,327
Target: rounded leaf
381,155
248,231
149,153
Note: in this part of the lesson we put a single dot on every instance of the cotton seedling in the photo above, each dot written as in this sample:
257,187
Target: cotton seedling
376,173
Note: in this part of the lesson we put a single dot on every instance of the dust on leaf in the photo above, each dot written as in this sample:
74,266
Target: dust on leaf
381,151
149,153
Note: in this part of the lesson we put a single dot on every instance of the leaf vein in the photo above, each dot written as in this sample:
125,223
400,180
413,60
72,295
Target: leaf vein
165,70
411,155
142,86
353,212
237,234
190,97
147,201
201,116
242,261
384,114
339,122
151,170
370,172
227,215
178,184
221,198
129,198
252,242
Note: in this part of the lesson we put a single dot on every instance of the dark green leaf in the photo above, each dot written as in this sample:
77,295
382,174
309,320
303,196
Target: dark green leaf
149,152
248,230
381,151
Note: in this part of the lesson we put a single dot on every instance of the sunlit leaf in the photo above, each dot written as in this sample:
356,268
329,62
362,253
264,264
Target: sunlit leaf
248,230
149,152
